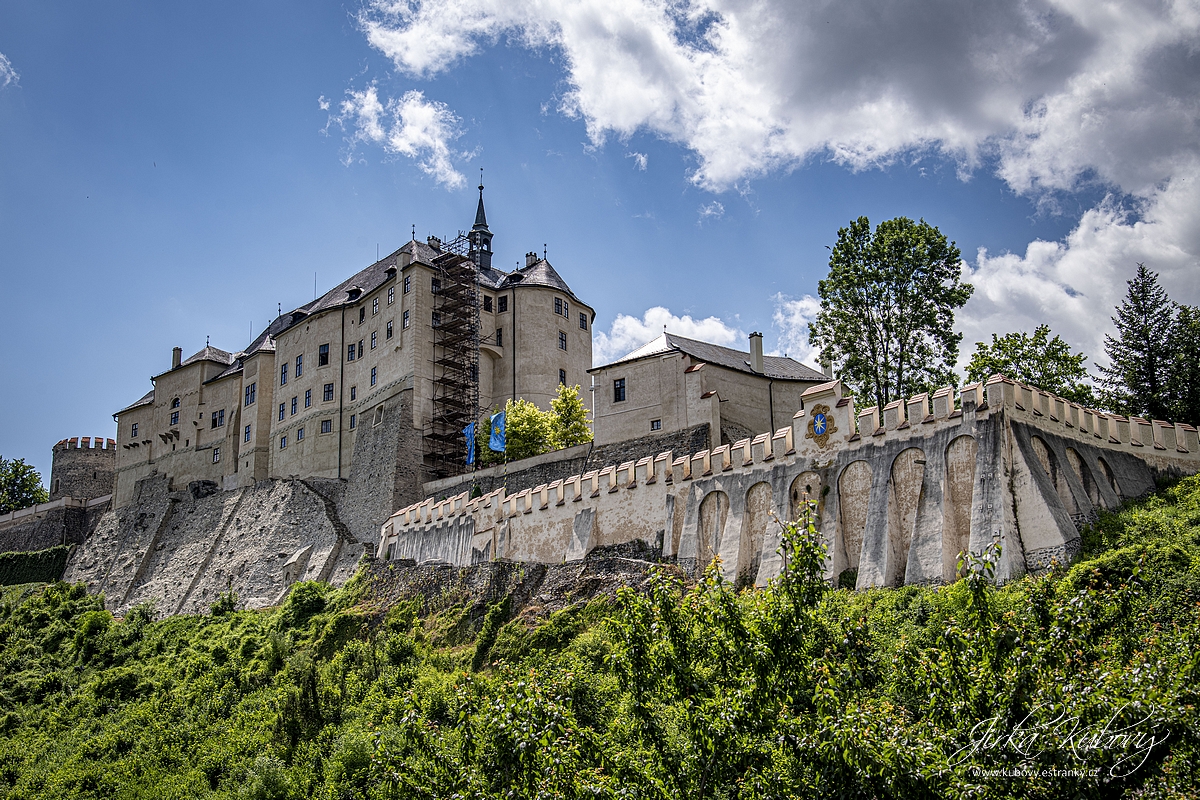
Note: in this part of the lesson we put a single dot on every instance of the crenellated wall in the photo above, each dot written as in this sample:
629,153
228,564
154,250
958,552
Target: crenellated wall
899,491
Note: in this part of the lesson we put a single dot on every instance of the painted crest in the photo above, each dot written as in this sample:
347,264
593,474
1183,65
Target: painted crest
820,425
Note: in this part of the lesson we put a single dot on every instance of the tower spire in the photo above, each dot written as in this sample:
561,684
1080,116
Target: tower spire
480,236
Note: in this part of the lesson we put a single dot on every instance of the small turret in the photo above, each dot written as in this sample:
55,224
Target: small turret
480,236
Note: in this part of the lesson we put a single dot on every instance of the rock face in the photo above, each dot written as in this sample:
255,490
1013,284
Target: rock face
180,550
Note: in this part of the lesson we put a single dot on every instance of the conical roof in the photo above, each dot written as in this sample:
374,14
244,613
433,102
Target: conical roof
480,216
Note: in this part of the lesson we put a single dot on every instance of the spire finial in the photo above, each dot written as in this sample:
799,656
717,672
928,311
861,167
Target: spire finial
481,181
543,251
206,341
414,232
279,309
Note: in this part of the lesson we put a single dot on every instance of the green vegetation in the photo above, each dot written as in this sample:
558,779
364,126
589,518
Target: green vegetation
680,691
41,566
1037,360
531,431
20,485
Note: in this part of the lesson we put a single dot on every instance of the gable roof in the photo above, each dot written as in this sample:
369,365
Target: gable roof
775,367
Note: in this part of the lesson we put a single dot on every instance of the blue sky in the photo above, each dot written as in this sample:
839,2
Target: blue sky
172,172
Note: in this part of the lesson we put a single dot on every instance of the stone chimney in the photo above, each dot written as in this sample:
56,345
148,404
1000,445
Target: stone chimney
756,356
176,357
531,258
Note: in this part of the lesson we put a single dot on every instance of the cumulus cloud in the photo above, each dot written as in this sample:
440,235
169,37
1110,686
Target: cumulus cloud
628,333
791,319
1053,95
7,73
410,126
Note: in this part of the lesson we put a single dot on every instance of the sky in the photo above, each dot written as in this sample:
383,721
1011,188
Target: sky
172,173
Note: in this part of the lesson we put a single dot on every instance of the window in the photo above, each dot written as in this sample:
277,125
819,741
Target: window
405,325
437,318
362,314
326,426
323,356
378,415
562,340
619,390
216,455
175,403
246,434
300,434
218,418
283,374
437,285
299,365
283,443
361,352
372,376
391,295
294,405
328,395
308,398
487,303
499,337
407,284
375,306
350,352
502,304
562,377
353,393
174,417
133,431
281,411
582,321
558,306
353,421
250,392
374,339
656,424
389,329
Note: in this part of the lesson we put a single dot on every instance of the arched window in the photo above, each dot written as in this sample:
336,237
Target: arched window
175,403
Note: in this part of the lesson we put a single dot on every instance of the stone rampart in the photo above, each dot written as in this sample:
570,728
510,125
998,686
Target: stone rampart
899,491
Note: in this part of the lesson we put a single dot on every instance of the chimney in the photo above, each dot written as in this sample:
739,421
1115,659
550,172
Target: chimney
756,356
176,357
531,258
827,369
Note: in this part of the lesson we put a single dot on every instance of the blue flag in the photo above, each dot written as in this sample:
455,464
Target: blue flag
469,432
496,442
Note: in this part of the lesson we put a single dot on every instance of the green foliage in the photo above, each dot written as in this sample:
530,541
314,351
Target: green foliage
887,309
1037,360
1183,383
1136,380
569,423
20,485
529,430
682,690
41,566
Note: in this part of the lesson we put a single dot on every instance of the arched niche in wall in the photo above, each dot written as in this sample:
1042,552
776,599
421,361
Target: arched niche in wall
854,494
1107,474
754,528
957,497
904,497
1053,470
1080,468
806,484
714,510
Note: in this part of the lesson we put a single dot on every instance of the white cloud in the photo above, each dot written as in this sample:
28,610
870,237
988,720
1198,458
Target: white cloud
629,333
710,211
7,73
640,160
410,126
791,319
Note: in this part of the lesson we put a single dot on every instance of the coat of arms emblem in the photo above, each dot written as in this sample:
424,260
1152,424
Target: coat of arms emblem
820,426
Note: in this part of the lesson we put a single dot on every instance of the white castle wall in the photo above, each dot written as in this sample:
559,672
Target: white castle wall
899,493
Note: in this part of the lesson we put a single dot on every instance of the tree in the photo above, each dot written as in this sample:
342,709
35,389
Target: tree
569,424
1039,360
887,308
528,430
1140,355
1183,386
20,485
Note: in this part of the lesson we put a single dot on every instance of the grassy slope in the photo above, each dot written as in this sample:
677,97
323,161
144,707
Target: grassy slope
699,691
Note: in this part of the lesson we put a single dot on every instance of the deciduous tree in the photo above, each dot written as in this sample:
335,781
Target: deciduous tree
1040,360
20,485
887,308
569,423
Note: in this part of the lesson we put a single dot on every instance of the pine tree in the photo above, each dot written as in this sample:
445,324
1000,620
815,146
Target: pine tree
1140,356
570,425
1184,382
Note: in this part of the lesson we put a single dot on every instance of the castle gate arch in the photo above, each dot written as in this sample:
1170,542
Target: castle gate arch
854,494
957,497
714,511
754,528
904,497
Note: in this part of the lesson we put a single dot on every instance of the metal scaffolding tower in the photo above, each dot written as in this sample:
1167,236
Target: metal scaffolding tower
455,358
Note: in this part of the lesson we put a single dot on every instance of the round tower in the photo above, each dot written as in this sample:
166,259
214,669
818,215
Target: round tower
83,467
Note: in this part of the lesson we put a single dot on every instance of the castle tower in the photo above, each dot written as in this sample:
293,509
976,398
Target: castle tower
480,236
83,467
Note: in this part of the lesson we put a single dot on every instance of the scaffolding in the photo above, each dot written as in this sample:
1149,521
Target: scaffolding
455,358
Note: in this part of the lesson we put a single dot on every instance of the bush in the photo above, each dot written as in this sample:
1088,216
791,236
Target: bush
41,566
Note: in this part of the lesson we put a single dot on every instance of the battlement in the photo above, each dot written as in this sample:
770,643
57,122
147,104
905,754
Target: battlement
86,443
